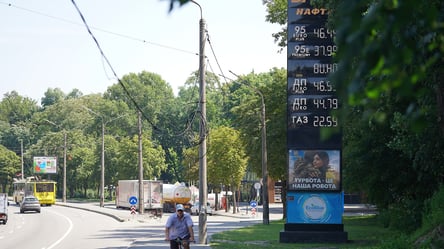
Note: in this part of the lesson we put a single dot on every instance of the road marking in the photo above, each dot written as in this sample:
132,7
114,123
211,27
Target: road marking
66,233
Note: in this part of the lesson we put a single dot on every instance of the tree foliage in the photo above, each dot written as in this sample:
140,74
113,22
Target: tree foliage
9,166
390,82
227,160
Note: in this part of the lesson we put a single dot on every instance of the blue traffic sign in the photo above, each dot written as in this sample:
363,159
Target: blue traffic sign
253,204
132,200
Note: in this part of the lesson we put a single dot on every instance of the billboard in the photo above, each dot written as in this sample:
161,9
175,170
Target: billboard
45,165
314,170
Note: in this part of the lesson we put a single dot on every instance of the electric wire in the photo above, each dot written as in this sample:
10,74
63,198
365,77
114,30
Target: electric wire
102,30
154,127
192,115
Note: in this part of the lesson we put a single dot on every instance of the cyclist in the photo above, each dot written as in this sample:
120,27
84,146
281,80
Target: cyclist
179,226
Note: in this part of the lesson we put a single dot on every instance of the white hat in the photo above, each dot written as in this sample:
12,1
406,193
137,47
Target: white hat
179,207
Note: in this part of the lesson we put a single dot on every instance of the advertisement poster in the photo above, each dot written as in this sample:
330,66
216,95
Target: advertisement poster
45,165
314,170
319,208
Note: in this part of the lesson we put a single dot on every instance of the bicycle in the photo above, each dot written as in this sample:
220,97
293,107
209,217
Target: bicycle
181,241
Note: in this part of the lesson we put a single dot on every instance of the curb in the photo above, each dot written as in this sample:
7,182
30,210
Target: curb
92,210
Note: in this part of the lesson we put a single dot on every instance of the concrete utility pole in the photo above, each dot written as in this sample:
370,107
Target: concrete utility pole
266,211
21,157
141,194
203,192
64,166
102,167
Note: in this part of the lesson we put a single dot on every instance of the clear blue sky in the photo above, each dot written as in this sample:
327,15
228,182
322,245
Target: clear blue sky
44,44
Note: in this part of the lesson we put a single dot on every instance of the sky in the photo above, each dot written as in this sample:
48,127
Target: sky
44,44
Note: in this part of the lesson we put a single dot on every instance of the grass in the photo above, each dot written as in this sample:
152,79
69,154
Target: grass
363,232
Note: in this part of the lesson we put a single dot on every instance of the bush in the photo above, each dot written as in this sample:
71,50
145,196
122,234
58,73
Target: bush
431,234
434,209
400,242
405,216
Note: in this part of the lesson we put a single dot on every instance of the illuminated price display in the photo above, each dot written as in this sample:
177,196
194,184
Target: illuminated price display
313,103
324,33
326,103
311,68
301,51
313,33
323,86
309,86
312,120
311,97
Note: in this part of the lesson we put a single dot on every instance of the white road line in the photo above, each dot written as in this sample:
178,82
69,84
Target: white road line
66,233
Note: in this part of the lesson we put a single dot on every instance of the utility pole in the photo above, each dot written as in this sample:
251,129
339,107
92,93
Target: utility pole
102,167
64,166
141,200
21,156
203,192
265,212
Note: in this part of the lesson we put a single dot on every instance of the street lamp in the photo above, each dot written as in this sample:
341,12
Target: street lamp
266,212
102,167
64,159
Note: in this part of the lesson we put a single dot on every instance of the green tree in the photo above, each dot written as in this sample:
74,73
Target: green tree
15,108
52,96
16,113
246,105
227,160
183,124
9,167
83,164
246,108
153,159
191,164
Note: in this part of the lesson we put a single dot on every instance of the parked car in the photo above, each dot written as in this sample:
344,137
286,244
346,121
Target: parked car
30,203
195,209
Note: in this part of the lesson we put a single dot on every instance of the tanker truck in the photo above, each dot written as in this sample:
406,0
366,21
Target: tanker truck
174,194
152,195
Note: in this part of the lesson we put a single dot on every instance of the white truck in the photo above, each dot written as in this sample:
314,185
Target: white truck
152,195
3,208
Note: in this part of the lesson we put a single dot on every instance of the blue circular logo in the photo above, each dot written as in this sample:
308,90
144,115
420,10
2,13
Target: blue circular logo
253,204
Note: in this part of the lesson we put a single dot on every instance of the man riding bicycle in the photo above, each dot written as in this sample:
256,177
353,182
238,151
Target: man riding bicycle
179,227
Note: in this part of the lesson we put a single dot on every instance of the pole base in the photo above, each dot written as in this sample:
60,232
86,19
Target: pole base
313,233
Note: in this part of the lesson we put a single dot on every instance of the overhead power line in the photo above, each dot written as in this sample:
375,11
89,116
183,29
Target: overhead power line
102,30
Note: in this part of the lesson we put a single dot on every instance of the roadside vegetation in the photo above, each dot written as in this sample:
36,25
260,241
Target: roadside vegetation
364,232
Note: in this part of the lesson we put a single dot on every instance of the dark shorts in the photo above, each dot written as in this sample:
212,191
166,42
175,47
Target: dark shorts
175,245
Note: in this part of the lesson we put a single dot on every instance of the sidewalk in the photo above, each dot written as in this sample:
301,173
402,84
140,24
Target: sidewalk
124,215
275,211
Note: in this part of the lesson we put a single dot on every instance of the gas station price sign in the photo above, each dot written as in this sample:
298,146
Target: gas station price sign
311,96
314,190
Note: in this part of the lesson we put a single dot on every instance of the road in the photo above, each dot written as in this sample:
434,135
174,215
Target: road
86,225
61,227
